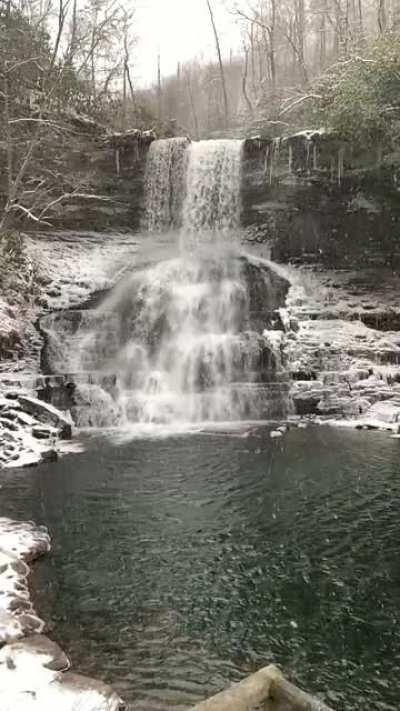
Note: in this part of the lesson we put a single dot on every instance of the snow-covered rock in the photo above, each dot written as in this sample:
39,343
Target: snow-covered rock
34,672
29,430
47,413
19,542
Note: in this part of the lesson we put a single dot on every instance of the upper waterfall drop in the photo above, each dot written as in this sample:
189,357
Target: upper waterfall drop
213,183
165,184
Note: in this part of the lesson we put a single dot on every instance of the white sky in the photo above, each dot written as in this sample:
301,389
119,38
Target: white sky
180,30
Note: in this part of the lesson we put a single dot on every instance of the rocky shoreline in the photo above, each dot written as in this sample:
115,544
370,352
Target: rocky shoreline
344,351
34,671
340,345
30,430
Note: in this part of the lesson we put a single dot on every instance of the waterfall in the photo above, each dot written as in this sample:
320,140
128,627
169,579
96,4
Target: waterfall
165,184
188,346
212,204
188,338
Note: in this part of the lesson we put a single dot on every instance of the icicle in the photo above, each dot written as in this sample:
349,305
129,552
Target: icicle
340,165
315,157
136,152
308,157
277,148
266,162
117,162
290,158
274,158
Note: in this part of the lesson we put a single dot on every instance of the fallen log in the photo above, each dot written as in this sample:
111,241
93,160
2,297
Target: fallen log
266,690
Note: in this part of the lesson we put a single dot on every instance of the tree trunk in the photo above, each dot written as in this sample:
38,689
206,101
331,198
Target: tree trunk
360,22
124,98
382,16
92,54
272,44
74,32
301,33
193,107
244,81
338,28
221,66
159,90
252,59
322,40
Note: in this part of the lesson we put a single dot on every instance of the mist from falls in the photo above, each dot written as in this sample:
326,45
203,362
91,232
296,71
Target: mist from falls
179,334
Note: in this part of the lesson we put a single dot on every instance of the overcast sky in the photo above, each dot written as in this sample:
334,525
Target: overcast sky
180,30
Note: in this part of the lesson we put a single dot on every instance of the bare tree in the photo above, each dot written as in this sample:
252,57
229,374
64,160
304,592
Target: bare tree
221,66
382,16
244,80
37,131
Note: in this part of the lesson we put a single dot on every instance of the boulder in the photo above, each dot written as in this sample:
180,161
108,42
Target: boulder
47,413
306,403
387,411
31,679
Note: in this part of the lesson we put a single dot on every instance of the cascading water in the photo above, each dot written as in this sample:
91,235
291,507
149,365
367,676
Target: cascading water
165,184
184,345
212,204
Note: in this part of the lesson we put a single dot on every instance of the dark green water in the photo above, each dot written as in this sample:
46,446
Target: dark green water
181,564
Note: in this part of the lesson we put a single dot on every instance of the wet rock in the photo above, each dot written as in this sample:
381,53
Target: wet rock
307,403
41,409
39,645
332,406
93,695
54,291
31,681
24,418
49,455
43,432
23,540
387,412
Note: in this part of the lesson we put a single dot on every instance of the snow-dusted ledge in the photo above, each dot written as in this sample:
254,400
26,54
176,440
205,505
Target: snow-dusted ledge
34,671
30,429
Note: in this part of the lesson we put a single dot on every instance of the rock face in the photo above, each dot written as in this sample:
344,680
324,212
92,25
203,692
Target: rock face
314,203
34,672
70,269
308,204
340,366
114,164
110,166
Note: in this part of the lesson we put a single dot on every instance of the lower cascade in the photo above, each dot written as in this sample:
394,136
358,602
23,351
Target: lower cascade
187,339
